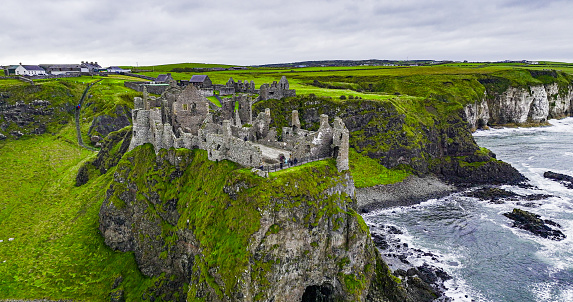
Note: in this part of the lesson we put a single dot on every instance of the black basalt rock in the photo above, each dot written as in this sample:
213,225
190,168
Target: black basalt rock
533,223
566,180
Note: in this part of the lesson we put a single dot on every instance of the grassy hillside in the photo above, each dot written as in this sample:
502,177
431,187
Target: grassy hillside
56,251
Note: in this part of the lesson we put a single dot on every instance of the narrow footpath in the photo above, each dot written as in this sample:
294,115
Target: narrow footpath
78,112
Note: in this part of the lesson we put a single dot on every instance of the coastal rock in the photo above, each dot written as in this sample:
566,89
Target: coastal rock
533,104
424,282
566,180
532,223
107,123
234,236
408,192
495,195
29,118
498,195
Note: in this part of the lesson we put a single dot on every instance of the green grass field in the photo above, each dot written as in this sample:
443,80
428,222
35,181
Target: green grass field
169,67
56,251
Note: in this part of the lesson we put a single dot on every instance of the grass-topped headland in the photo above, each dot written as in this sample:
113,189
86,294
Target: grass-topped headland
218,208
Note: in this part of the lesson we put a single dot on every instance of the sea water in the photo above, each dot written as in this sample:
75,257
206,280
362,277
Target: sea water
471,239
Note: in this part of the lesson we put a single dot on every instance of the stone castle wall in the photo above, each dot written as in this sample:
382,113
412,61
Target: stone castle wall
181,118
151,88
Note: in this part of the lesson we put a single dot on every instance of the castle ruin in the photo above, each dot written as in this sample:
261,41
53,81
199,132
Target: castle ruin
183,118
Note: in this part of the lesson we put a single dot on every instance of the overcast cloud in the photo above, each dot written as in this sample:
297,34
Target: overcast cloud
252,32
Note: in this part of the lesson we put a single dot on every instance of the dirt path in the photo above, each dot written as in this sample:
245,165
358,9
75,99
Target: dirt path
77,117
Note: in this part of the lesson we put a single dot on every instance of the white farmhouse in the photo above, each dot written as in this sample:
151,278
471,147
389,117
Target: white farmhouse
29,70
117,69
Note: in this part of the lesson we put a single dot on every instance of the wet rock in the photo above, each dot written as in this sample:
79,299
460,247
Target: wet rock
534,197
531,222
499,196
2,136
495,195
566,180
400,272
380,241
393,230
528,204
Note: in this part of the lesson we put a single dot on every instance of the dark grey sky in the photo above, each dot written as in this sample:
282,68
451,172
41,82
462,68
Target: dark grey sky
145,32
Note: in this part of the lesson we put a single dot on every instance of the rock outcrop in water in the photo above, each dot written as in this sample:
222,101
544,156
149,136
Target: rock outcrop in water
499,196
534,224
566,180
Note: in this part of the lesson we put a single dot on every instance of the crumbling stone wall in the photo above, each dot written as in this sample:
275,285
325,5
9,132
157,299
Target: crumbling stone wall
151,88
189,110
245,108
181,118
341,144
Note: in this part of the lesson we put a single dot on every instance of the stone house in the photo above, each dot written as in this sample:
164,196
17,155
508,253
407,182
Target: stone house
164,79
64,68
201,81
90,67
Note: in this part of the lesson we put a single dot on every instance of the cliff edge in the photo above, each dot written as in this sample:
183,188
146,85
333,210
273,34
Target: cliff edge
209,231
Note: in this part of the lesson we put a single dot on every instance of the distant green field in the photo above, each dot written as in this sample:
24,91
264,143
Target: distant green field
169,67
387,82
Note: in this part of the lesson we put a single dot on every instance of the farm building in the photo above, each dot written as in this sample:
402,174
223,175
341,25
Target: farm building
91,66
27,70
117,69
57,69
201,81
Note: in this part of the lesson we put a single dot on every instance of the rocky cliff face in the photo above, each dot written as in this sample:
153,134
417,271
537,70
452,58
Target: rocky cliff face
424,138
208,231
533,104
34,109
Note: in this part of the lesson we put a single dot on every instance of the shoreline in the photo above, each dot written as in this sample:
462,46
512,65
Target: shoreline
413,190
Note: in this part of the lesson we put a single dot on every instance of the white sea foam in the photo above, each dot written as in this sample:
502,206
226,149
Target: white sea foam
459,291
552,291
563,125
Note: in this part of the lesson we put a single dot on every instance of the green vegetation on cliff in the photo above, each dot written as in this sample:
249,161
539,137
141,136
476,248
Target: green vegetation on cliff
219,207
57,251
